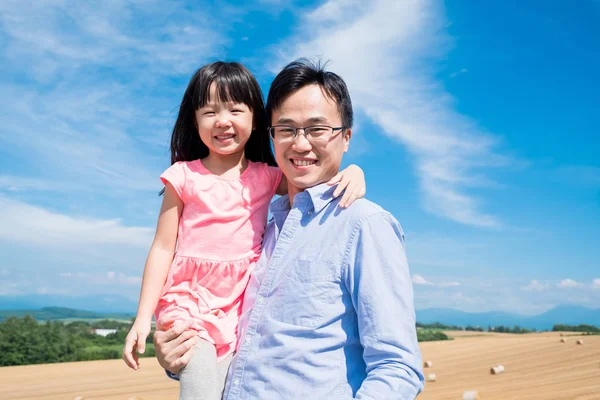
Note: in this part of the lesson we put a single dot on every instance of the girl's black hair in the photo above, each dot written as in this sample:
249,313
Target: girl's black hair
234,83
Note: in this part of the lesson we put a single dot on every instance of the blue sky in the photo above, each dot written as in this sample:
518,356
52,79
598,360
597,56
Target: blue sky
476,127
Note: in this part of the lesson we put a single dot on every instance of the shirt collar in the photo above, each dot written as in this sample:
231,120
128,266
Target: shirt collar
318,198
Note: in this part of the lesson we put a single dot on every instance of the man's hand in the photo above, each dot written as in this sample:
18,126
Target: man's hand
174,347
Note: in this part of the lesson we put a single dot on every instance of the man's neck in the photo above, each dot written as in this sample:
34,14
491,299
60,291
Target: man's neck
292,192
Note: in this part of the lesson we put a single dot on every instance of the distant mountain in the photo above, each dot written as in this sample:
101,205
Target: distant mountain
564,314
111,304
61,313
97,303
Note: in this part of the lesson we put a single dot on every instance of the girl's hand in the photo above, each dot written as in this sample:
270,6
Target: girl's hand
135,343
353,180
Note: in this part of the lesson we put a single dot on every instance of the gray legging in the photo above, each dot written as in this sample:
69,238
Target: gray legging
203,378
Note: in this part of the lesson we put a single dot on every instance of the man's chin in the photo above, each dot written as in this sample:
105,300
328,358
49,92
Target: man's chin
304,182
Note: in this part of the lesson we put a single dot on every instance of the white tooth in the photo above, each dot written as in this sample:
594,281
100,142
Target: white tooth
303,163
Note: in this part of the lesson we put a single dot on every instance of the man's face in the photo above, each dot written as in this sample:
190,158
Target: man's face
305,164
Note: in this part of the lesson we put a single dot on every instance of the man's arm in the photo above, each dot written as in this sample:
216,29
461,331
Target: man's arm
379,282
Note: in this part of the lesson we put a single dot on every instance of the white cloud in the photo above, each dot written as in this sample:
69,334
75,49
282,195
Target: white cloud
449,284
392,83
168,37
32,225
21,183
106,79
462,71
419,280
596,283
567,283
51,290
109,278
535,286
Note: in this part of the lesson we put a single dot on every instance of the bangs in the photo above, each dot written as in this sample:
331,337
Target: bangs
232,84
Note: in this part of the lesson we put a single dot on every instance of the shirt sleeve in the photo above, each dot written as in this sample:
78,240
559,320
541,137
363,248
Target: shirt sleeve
176,176
275,175
380,286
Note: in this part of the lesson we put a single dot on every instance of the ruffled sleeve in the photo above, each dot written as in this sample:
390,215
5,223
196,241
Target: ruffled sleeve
274,175
176,176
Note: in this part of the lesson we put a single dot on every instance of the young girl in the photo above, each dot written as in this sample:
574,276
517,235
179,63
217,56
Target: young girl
216,197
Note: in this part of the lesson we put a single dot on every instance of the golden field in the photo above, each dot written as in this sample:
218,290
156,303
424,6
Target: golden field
537,367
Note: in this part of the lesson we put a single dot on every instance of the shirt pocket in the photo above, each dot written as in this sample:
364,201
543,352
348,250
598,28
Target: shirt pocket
307,293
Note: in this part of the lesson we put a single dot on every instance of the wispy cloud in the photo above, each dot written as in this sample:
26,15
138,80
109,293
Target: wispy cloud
109,278
392,84
420,280
163,36
535,285
84,86
596,283
449,284
455,74
32,225
568,283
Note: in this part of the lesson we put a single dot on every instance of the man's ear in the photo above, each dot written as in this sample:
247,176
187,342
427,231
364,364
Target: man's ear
347,136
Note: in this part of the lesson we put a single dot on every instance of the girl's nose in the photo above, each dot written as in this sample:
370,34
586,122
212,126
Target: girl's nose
223,122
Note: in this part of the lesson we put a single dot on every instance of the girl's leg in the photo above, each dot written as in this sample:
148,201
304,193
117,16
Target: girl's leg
199,380
222,369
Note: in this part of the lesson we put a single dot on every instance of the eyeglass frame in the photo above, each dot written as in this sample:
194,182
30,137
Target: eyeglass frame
271,130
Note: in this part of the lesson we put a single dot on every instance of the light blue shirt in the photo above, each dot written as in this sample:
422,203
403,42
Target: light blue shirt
328,313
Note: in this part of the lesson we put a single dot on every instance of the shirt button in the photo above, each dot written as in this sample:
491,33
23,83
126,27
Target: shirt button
247,340
261,300
309,213
236,382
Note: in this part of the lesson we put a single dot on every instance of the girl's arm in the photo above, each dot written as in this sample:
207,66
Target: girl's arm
155,273
352,179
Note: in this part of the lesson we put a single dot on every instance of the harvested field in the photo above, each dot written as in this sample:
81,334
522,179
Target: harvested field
537,367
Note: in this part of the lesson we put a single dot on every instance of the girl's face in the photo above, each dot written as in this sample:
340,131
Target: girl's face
224,127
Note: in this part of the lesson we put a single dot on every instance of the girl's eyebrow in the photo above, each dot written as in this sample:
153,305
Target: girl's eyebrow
228,103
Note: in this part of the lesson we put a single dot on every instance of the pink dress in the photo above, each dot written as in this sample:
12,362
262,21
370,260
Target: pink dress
218,243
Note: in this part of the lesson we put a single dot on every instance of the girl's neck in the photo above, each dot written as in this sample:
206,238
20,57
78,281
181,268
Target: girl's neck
227,166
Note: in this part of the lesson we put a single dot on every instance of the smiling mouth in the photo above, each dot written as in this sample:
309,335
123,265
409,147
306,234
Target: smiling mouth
303,163
225,136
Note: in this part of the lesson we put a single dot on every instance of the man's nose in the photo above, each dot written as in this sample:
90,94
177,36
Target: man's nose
301,143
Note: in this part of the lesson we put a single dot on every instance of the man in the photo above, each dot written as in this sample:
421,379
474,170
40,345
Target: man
328,313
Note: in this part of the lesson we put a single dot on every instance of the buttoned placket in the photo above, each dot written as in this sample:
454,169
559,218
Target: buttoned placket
285,239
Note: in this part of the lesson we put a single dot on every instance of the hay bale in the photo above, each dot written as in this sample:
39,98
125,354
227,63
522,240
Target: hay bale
431,378
498,369
580,341
563,340
427,364
471,395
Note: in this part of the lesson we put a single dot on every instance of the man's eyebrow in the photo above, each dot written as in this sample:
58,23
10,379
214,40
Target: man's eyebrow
317,120
285,121
313,120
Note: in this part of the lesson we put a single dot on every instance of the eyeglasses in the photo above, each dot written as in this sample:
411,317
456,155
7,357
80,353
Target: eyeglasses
316,134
